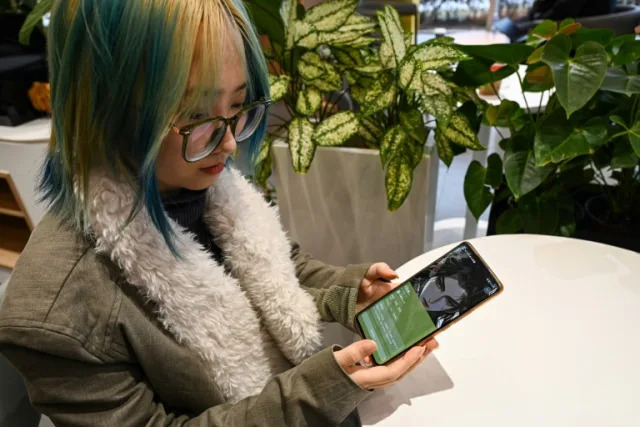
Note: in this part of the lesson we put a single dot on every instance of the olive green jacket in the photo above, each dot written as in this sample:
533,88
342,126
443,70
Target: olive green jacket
98,345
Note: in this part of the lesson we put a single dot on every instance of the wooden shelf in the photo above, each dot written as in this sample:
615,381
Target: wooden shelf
15,224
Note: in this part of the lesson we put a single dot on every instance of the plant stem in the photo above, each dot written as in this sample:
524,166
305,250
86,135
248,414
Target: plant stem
526,103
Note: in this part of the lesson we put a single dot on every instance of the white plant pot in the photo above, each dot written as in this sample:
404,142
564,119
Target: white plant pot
338,212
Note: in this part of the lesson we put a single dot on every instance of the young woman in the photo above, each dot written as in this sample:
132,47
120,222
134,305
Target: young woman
161,288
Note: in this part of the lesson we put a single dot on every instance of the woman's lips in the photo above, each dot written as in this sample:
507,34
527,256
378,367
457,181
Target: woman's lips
214,170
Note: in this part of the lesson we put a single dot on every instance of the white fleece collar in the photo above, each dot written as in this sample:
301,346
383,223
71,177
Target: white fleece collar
230,320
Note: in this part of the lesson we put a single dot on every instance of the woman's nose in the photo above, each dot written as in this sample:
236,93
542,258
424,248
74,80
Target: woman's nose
228,143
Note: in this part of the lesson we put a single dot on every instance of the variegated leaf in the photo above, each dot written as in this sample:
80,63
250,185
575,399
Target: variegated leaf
308,101
301,144
331,14
460,132
285,11
445,152
290,9
311,67
432,84
392,49
263,162
359,23
392,141
436,56
409,72
305,35
360,42
439,107
337,129
372,68
278,86
398,180
370,132
334,38
330,80
413,123
379,95
348,56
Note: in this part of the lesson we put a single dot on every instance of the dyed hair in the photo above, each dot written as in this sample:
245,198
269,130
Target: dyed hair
119,73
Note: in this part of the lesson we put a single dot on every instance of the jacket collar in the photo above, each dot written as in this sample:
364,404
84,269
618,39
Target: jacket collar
230,320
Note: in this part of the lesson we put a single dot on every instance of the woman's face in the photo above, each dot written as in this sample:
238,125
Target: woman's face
172,171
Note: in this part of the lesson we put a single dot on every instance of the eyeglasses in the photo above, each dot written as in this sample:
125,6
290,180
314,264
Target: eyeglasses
201,138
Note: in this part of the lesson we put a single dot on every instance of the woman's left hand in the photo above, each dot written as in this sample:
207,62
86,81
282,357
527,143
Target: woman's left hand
375,284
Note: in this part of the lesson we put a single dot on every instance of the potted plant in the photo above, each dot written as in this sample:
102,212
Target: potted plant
329,53
572,169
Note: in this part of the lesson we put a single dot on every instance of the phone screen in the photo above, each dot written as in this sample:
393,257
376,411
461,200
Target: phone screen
428,301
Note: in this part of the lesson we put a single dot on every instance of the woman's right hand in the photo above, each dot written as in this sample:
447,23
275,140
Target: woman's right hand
372,377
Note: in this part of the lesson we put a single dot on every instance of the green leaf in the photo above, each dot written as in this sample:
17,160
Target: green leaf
265,14
634,137
278,86
439,107
538,78
476,73
392,140
32,20
624,156
559,140
508,114
577,79
476,193
520,167
398,181
348,56
617,80
460,132
290,21
413,123
509,222
311,67
445,152
541,214
263,162
601,36
308,101
301,144
494,171
371,132
319,73
542,32
512,54
437,56
330,15
392,49
337,129
380,95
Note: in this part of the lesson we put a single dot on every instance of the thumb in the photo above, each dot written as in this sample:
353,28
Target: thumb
355,352
381,270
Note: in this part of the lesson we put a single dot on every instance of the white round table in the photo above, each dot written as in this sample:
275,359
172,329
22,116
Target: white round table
559,347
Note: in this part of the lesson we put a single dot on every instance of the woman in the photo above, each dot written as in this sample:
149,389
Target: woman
161,288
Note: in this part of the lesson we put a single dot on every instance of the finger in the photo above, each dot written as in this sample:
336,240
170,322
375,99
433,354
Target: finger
432,344
381,270
380,375
355,352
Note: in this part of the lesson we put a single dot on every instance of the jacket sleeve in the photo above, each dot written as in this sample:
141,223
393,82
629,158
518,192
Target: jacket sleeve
335,289
75,393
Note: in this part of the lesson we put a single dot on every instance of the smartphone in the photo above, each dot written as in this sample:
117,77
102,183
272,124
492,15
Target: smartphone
429,302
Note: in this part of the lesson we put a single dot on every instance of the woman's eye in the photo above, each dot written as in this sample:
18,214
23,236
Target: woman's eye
237,107
197,116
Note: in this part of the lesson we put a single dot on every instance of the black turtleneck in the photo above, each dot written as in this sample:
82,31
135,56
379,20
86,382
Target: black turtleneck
186,207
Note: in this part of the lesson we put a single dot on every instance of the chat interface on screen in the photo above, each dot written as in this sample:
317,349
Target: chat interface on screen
430,300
